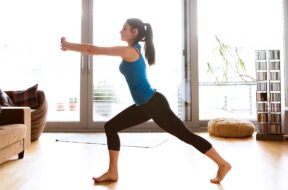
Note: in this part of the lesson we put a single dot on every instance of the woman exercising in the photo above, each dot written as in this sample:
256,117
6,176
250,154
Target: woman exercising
149,104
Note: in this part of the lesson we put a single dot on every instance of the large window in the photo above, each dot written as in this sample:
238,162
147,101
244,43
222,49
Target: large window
30,51
110,91
230,32
84,91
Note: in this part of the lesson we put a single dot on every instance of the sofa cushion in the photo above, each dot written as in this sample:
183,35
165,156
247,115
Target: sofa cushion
10,134
26,98
5,100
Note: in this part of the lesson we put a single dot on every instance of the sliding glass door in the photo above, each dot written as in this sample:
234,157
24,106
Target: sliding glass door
30,52
211,72
229,34
84,92
110,91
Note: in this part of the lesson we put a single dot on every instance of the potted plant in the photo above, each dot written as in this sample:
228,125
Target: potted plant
73,103
228,65
227,69
103,97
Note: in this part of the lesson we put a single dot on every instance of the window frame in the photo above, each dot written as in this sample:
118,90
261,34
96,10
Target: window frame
190,56
86,108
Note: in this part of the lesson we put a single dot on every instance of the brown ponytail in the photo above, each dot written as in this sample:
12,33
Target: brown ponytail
145,34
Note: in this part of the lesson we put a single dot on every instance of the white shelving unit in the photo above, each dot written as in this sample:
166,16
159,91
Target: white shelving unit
268,95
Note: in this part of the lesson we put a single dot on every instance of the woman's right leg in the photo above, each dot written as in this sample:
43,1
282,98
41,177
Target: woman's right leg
125,119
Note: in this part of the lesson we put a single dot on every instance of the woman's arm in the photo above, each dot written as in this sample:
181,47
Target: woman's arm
127,53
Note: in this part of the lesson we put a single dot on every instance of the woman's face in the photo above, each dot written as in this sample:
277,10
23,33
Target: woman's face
128,34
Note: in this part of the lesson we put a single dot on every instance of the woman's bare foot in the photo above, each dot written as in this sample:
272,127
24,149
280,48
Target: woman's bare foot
221,173
106,177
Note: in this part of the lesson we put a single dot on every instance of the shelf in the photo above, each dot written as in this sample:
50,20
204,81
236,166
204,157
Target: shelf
268,95
270,137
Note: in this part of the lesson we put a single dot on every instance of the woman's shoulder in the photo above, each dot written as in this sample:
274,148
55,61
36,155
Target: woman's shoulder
133,53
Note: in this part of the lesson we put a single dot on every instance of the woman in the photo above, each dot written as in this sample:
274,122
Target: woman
149,104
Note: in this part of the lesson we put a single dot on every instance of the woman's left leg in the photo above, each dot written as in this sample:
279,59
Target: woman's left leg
129,117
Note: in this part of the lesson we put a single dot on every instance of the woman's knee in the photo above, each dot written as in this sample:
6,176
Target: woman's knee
110,128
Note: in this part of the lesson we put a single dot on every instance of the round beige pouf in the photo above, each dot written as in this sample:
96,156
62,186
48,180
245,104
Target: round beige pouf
228,127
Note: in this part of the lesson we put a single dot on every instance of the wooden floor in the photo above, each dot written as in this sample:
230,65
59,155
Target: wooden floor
51,165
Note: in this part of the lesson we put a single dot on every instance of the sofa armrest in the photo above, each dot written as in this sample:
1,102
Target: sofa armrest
17,115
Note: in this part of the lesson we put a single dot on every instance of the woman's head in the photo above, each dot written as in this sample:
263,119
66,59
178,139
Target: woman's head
139,31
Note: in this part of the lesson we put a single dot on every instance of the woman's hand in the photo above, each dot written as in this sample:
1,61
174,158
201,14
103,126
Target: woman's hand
63,44
127,53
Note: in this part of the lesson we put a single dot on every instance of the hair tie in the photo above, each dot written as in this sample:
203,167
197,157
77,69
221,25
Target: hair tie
145,26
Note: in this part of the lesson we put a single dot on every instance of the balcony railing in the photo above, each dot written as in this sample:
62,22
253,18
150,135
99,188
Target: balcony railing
227,99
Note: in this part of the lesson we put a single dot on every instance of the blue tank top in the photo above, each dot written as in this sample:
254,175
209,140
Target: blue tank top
136,77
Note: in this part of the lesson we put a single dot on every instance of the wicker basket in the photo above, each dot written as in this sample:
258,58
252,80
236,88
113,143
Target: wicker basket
39,116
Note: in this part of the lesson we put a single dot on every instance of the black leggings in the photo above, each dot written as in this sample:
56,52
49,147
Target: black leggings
158,109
